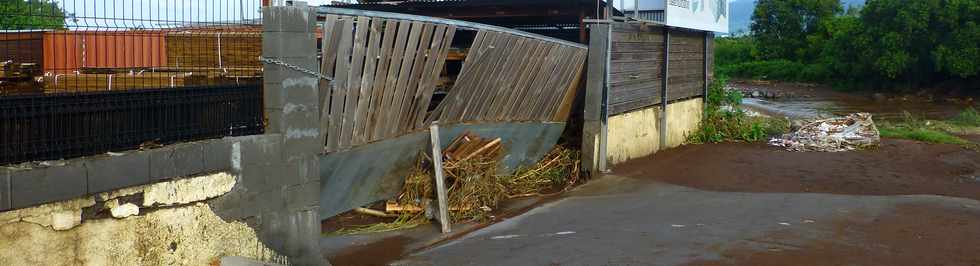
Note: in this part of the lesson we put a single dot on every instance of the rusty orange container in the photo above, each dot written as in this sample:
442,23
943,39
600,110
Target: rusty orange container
68,51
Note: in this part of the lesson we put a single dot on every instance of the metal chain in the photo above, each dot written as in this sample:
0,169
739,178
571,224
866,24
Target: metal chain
294,67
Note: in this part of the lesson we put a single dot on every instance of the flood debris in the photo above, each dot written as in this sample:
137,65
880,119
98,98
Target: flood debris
475,189
855,131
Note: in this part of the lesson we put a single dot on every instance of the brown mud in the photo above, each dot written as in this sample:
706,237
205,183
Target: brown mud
897,167
911,234
812,98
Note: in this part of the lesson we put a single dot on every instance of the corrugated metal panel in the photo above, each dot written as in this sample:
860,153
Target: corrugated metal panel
67,51
20,46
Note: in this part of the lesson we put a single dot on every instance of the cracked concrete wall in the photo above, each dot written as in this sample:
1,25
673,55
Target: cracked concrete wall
173,226
637,134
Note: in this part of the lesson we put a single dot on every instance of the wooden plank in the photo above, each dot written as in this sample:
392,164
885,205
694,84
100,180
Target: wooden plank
431,55
455,96
483,90
548,92
462,89
625,47
634,76
526,88
574,87
547,70
512,82
408,60
636,56
566,85
327,61
380,130
384,60
526,73
354,81
339,90
367,83
654,37
407,119
442,52
499,83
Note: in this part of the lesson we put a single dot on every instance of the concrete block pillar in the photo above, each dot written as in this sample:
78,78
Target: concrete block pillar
288,183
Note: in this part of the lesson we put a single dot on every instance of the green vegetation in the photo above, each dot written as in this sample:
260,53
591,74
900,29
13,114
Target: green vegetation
968,118
886,44
31,14
932,131
724,121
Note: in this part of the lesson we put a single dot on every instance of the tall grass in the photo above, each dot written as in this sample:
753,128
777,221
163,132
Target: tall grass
724,121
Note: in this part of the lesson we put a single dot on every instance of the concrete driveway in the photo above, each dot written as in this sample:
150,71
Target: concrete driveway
625,221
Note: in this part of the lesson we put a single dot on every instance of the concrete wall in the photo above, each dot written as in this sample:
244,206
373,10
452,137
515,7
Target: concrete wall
637,134
271,207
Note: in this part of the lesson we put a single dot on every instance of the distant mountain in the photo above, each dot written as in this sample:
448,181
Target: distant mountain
741,14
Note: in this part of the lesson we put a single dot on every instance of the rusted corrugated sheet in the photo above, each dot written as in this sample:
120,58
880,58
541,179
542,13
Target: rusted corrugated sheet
20,46
67,51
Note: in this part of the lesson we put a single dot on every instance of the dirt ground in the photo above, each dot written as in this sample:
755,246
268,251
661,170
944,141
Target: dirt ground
898,167
913,234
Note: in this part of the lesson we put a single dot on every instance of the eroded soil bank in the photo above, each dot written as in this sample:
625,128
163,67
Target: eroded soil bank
898,167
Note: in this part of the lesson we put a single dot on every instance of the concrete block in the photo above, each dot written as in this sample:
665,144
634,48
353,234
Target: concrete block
299,148
228,206
44,185
188,159
276,123
282,175
253,178
288,44
261,149
272,91
297,20
114,172
309,168
271,19
162,165
303,196
301,90
217,155
271,200
4,189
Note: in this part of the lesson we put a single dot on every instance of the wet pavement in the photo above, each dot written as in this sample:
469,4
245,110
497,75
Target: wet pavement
634,221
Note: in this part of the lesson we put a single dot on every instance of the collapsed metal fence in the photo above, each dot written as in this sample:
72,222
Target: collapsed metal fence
85,77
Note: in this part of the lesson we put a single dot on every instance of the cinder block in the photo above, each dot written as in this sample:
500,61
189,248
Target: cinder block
253,177
188,159
289,45
4,189
162,165
276,121
272,91
217,155
303,196
271,200
44,185
284,175
301,90
261,149
228,206
114,172
309,168
299,148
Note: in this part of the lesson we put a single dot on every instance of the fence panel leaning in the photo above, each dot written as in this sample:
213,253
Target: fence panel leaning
388,70
85,77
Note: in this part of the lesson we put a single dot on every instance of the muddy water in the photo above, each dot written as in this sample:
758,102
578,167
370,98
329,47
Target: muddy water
808,101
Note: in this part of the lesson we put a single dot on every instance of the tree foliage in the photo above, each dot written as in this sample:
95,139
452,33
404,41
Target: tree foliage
31,14
783,26
884,44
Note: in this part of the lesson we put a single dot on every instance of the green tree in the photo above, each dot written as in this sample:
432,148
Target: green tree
782,27
31,14
922,41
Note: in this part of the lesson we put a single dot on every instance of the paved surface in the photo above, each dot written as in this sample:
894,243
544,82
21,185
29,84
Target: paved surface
626,221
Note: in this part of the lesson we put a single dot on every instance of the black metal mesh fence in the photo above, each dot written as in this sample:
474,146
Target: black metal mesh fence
81,77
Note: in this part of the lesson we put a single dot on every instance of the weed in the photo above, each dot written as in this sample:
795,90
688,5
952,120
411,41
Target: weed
724,121
968,118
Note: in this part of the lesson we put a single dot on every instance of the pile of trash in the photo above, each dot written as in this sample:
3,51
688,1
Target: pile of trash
855,131
474,187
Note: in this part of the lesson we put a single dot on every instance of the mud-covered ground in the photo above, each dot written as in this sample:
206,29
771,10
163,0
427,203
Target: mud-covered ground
897,167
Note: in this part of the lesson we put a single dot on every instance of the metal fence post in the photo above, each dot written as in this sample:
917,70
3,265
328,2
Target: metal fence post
663,90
